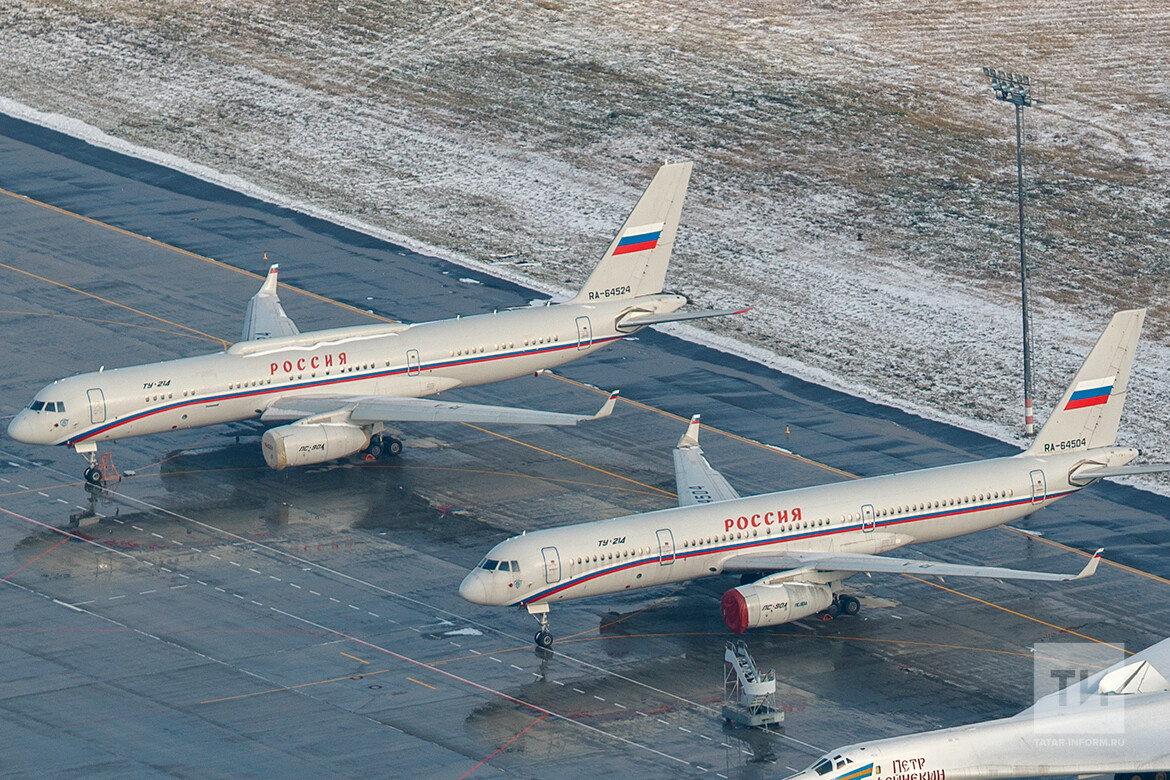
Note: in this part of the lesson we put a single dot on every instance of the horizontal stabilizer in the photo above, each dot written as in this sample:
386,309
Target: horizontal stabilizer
265,317
375,409
695,480
637,319
1085,475
856,562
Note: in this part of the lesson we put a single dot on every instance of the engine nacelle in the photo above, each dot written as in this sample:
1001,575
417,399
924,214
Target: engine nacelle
758,604
304,445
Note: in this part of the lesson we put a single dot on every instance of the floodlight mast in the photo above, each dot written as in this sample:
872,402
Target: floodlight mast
1021,91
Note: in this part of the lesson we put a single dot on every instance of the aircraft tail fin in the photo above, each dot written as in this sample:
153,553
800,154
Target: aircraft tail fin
1090,409
635,263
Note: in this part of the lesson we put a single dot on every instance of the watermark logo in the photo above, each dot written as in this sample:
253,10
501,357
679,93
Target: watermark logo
1069,711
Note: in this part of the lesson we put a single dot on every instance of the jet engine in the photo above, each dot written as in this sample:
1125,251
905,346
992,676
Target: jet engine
303,445
760,604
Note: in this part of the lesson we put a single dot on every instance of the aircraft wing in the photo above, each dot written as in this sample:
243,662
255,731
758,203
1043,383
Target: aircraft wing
696,481
265,318
858,562
362,410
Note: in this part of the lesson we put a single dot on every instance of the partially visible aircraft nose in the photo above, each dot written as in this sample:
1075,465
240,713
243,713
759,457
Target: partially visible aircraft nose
473,588
22,427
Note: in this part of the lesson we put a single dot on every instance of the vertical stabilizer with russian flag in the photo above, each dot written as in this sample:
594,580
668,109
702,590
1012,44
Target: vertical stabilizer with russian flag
1090,410
635,263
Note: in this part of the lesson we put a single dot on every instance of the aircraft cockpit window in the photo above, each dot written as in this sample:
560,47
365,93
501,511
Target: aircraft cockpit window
823,767
515,567
489,564
36,406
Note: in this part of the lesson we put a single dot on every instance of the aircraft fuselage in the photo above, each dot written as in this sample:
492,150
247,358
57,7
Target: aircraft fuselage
868,516
392,359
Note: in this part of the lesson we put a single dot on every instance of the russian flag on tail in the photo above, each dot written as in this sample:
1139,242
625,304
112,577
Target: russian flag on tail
637,239
1093,392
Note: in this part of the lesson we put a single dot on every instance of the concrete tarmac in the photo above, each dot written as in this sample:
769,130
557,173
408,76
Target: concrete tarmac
207,617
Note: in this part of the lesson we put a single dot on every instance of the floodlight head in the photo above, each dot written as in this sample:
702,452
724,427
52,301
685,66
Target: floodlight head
1015,88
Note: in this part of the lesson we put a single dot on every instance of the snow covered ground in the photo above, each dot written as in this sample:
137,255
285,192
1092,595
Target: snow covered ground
854,177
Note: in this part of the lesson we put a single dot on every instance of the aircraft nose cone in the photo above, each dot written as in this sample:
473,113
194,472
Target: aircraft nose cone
473,588
21,428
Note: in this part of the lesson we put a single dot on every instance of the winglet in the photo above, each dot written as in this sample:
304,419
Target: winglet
269,285
607,408
265,318
1091,567
691,437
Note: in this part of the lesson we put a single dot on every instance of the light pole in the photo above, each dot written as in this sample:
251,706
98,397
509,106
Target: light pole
1020,91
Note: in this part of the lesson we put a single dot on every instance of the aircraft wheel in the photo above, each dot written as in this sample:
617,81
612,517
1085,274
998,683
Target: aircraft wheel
393,447
849,605
544,639
93,476
376,448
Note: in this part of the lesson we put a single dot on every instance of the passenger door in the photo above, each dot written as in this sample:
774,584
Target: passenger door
584,333
1039,489
665,547
867,519
97,405
552,565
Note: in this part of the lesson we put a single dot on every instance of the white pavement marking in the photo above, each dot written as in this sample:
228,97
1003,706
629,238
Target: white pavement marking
478,686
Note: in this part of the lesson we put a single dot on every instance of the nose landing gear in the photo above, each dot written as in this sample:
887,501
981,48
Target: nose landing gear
543,637
101,468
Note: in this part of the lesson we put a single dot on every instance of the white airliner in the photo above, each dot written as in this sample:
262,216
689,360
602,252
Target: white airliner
803,543
337,388
1113,722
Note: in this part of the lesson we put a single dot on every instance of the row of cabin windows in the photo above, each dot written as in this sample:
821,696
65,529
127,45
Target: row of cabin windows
612,555
48,406
291,377
502,345
852,517
937,504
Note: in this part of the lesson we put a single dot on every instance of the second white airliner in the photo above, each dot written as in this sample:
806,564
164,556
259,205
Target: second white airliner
803,544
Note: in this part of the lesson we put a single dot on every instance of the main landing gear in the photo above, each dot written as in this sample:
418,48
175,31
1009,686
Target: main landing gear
381,445
543,638
843,604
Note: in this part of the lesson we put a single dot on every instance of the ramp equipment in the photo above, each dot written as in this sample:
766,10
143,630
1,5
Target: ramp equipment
749,697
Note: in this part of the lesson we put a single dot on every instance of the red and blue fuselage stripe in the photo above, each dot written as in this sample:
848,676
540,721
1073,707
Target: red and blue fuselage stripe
328,382
791,537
